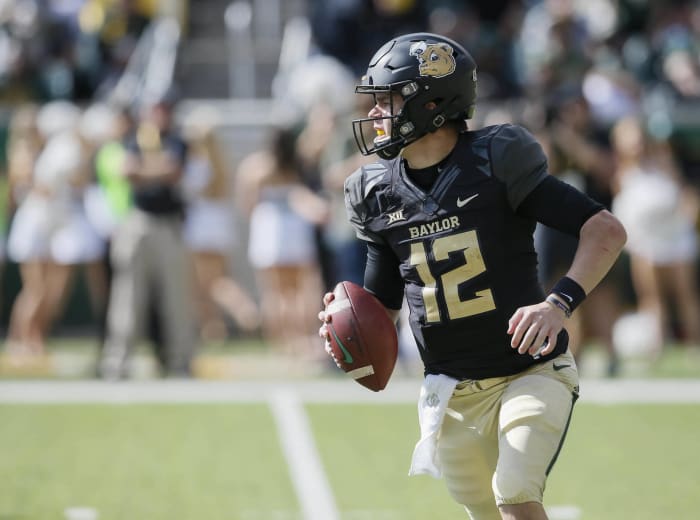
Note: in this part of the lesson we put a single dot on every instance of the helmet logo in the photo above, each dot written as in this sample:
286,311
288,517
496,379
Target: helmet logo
434,59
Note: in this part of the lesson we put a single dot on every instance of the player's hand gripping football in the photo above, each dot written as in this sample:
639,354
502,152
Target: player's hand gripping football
534,329
323,330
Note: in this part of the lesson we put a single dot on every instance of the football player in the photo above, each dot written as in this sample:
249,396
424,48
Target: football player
448,215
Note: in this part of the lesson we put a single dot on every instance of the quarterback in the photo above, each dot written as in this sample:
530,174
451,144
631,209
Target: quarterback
448,215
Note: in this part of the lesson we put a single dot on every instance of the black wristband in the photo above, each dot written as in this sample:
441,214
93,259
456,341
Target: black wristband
569,291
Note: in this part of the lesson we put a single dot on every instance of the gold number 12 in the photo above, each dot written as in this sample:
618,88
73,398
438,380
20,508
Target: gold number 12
468,244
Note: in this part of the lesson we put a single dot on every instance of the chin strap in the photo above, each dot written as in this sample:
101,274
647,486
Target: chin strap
390,152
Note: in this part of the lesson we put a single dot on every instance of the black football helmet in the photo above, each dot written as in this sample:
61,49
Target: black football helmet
421,68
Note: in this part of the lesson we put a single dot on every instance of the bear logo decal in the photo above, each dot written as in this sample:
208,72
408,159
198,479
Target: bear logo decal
434,59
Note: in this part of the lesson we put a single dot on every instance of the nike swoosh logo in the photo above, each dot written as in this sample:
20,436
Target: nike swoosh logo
347,357
461,203
559,367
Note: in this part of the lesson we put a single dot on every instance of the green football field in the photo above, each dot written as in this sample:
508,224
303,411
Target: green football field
226,460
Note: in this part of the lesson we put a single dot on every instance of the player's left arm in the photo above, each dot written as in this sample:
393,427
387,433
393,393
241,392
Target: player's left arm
522,166
601,238
601,235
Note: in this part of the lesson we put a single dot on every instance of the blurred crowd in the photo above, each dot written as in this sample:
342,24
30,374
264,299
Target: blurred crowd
150,209
66,49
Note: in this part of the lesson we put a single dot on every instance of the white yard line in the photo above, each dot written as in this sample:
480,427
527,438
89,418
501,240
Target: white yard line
340,390
305,467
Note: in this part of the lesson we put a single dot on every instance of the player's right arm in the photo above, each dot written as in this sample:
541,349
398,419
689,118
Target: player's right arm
382,277
326,318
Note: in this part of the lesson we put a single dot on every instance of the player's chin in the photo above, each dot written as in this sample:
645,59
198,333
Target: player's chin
381,139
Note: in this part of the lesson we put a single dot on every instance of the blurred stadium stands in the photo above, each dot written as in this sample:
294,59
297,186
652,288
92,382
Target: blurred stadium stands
198,45
251,62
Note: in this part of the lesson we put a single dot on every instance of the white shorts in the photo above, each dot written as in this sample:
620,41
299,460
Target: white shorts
649,206
210,226
42,230
279,237
98,212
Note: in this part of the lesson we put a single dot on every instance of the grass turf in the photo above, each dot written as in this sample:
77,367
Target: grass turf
153,462
631,461
622,461
223,461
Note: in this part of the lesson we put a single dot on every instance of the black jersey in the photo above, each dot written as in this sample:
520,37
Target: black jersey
466,256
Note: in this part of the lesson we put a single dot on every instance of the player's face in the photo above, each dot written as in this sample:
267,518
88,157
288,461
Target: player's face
374,133
386,105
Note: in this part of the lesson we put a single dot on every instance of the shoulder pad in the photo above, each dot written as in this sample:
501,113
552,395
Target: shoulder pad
517,160
359,189
366,179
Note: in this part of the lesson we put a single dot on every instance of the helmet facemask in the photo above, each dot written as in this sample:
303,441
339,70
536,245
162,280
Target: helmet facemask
366,135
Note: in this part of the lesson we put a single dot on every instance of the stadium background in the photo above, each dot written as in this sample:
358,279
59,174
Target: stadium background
202,70
201,449
244,59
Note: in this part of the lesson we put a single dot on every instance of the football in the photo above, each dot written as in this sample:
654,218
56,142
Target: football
362,336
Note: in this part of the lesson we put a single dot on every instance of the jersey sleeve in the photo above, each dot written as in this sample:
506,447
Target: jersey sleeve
383,277
518,161
357,187
560,206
